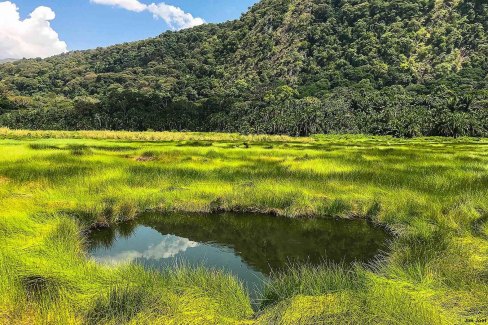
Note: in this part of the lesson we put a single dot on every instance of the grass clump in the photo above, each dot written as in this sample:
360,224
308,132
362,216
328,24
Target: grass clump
311,281
335,294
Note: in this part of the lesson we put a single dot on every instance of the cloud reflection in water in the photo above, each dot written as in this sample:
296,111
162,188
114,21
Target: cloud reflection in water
169,247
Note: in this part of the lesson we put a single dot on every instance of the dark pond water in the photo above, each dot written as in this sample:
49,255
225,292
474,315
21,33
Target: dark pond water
250,246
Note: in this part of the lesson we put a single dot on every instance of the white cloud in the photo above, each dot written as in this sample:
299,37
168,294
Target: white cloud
169,247
132,5
175,17
28,38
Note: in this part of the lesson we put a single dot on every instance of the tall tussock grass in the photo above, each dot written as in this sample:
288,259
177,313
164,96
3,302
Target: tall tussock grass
431,193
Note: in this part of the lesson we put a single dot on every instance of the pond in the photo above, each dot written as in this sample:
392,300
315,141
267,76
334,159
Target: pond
250,246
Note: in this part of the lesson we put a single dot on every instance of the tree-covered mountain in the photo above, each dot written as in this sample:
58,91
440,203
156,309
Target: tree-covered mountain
399,67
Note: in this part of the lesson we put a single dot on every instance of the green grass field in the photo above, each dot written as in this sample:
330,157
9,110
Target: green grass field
431,193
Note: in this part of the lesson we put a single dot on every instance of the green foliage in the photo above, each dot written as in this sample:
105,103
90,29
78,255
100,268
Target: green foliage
402,68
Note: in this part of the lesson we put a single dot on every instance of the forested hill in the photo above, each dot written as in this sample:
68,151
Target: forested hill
399,67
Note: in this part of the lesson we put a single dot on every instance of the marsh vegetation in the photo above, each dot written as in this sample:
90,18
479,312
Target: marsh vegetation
431,194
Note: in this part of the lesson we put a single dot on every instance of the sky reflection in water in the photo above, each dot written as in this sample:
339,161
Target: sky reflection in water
249,246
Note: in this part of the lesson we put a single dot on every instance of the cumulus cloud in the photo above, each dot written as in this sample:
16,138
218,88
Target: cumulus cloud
132,5
169,247
175,17
28,38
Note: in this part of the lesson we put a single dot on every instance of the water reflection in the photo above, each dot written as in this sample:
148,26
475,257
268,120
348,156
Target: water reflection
169,247
248,245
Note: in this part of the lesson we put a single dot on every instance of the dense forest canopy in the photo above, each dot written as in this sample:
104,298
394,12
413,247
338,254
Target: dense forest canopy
397,67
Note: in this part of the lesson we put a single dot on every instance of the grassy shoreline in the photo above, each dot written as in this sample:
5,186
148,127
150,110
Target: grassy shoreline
431,192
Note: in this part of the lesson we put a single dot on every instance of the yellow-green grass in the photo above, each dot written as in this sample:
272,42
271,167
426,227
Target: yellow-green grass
432,193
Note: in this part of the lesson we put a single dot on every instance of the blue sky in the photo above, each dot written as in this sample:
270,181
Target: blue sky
84,24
